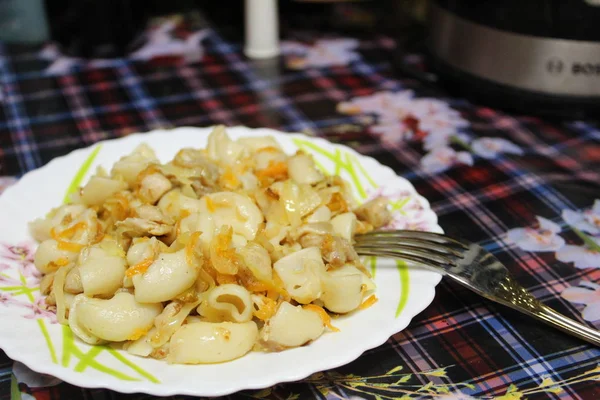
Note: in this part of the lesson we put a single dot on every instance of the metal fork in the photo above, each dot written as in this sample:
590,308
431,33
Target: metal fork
471,266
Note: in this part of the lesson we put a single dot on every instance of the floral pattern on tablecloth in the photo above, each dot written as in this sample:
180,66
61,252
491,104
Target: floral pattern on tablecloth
545,237
160,42
402,117
321,53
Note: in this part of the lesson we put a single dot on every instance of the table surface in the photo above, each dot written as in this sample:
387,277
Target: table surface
461,346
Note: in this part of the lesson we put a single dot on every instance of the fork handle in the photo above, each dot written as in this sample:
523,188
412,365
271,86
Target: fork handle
552,317
516,297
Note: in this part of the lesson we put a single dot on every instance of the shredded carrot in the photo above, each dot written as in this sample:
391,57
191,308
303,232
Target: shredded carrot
267,309
140,267
273,292
223,257
337,203
256,286
67,219
123,205
369,302
69,232
276,170
210,204
184,213
278,287
190,247
268,149
99,235
55,265
229,180
138,333
177,228
223,279
121,199
149,170
69,246
322,314
143,195
61,262
327,244
363,227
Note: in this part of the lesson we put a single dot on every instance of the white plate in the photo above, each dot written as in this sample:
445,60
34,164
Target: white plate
47,347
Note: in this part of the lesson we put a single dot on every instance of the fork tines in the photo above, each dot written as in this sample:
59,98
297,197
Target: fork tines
423,247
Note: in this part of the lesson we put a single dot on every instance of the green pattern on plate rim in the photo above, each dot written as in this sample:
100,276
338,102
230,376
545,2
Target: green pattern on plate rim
81,173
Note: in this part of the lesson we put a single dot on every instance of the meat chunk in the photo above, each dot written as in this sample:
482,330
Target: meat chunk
136,227
336,251
153,186
149,221
375,212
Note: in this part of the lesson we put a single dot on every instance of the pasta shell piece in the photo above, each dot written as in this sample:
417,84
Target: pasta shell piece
321,214
343,289
291,327
153,186
48,257
259,142
141,347
171,319
302,169
227,302
192,223
117,319
101,273
228,208
298,200
79,232
73,282
128,167
193,319
174,203
317,228
222,149
40,227
141,250
98,189
168,276
344,225
257,259
80,331
263,160
208,342
301,273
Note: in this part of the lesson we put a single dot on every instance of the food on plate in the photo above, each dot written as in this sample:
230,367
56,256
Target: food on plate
220,251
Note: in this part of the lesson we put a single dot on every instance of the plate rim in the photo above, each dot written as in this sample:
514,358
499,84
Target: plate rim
303,370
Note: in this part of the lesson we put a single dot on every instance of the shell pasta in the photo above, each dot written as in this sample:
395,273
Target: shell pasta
218,252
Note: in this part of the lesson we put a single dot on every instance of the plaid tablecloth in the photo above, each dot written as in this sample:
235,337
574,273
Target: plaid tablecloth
461,346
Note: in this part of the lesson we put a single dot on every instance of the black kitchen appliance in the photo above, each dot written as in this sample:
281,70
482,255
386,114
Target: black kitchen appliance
540,56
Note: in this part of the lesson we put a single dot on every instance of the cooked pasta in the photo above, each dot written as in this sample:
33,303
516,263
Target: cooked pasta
218,252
